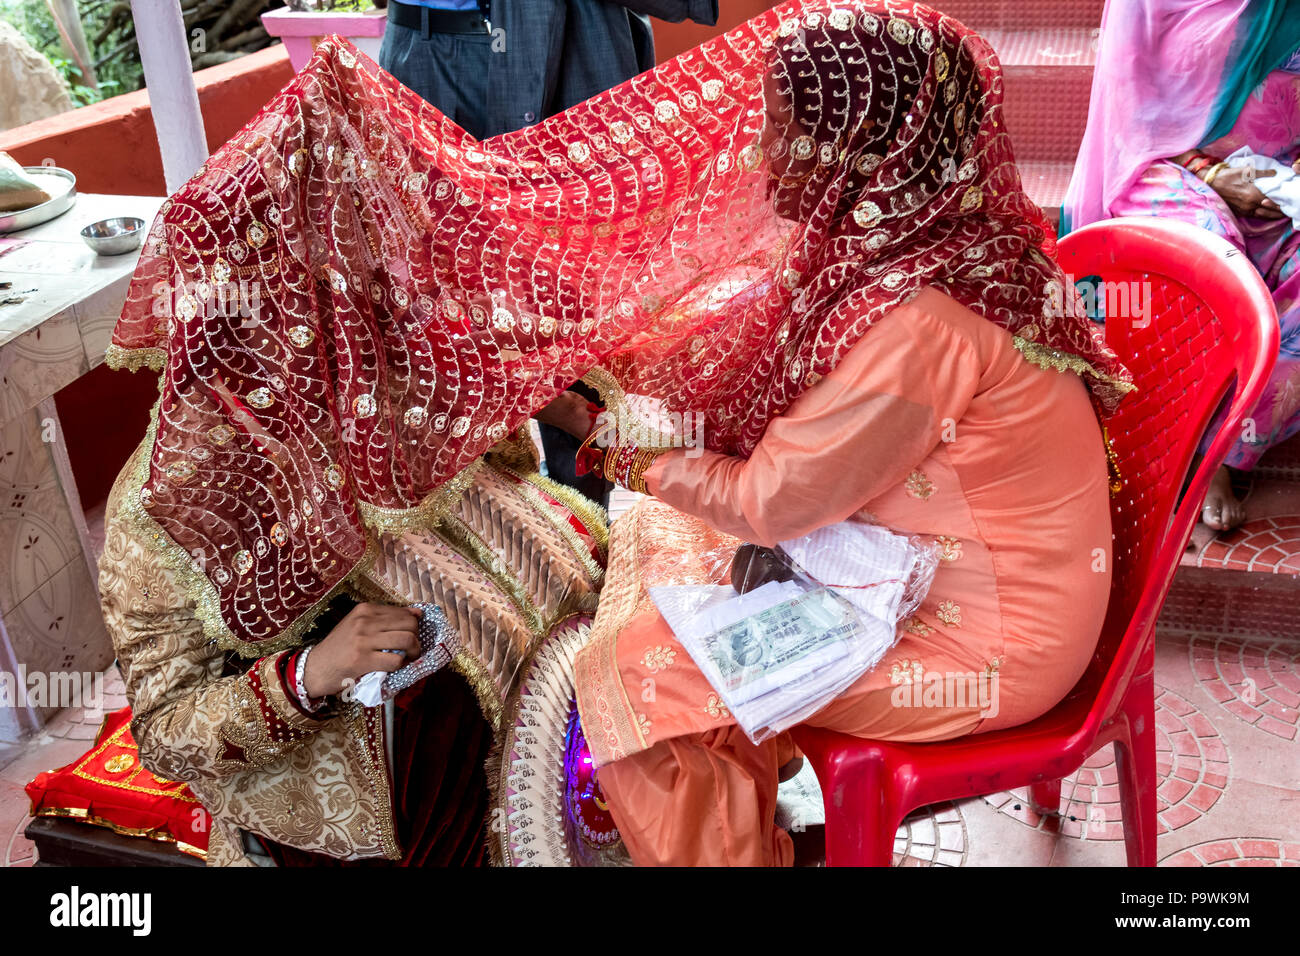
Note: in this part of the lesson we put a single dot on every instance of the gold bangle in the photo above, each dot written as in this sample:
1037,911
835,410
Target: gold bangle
1213,171
641,460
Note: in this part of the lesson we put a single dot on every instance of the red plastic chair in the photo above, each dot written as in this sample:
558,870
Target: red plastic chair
1211,333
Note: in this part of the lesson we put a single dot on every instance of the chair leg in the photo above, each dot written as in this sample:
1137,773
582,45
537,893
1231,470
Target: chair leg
1135,759
862,816
1045,796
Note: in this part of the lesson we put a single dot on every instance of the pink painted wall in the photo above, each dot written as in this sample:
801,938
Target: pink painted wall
112,146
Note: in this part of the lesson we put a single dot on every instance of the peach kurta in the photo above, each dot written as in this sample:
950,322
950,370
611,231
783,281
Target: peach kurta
935,424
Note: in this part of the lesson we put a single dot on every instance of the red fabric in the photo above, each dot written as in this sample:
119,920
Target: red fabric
718,232
439,784
108,787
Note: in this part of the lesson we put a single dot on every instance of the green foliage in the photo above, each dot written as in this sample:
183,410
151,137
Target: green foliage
119,71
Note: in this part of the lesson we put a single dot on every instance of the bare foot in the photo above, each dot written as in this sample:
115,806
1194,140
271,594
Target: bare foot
1221,510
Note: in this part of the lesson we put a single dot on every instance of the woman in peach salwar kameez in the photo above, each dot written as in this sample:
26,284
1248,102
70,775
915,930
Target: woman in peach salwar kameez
1016,496
936,421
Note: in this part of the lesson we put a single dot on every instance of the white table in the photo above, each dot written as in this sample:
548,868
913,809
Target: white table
59,331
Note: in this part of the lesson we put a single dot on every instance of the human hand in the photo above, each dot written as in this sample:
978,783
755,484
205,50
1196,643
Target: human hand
600,438
570,412
754,566
359,644
1236,187
590,460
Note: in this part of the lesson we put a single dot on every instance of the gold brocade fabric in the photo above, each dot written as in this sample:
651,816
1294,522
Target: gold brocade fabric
652,545
254,759
353,299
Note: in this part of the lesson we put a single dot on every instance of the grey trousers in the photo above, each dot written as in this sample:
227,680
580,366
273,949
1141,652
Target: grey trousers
448,70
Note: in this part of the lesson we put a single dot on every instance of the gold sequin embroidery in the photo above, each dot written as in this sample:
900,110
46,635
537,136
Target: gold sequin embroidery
906,672
949,613
715,708
918,485
951,548
658,658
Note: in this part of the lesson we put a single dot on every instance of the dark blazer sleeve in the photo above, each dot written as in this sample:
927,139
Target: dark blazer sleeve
674,11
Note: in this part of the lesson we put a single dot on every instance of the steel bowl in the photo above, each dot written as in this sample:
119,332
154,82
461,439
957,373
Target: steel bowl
112,237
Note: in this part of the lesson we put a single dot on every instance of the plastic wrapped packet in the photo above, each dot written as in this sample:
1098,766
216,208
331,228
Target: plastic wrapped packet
801,623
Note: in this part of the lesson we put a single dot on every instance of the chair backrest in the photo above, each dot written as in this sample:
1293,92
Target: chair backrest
1191,318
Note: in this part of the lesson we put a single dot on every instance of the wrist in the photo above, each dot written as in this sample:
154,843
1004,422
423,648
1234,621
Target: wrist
1195,162
308,680
1207,176
626,465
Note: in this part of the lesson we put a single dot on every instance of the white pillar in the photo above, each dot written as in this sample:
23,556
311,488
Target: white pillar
165,54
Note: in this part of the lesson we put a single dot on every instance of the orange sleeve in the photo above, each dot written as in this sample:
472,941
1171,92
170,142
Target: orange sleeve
855,434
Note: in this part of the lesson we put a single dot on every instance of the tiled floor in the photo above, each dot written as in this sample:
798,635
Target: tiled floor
1268,541
1228,755
1229,780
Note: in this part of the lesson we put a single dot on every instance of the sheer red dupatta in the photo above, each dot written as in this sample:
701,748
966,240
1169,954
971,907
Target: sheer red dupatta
716,234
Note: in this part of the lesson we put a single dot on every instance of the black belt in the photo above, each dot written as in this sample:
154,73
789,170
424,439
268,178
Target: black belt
428,20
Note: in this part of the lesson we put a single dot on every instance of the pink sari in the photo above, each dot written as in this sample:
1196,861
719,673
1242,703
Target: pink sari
1170,75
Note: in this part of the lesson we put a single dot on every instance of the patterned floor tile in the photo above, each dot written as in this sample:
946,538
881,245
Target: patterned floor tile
1191,766
1269,545
15,849
995,839
1242,851
1258,683
932,836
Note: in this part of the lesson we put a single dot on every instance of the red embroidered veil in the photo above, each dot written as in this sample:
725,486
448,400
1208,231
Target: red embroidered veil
714,234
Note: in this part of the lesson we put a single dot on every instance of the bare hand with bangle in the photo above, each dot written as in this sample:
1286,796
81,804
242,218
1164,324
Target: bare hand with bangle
1235,185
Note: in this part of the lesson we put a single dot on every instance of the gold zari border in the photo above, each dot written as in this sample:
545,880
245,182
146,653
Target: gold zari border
594,518
1046,357
615,399
596,666
85,816
133,360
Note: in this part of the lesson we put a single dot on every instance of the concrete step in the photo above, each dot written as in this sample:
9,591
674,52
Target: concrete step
1048,83
1045,181
985,15
1044,46
1280,462
1245,583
